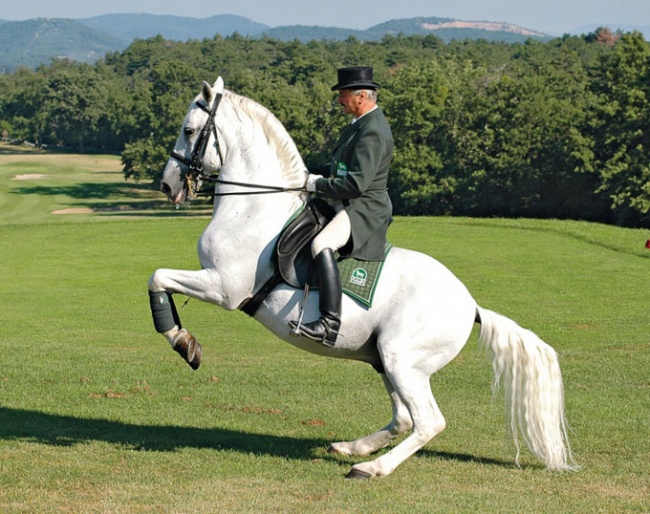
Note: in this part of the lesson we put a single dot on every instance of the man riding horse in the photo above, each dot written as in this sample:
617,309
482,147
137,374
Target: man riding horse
354,183
422,315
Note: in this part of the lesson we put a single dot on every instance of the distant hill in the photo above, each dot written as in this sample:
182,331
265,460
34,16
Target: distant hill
127,27
37,41
446,29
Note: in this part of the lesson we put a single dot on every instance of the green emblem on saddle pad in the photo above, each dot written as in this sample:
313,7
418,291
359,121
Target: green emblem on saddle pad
359,278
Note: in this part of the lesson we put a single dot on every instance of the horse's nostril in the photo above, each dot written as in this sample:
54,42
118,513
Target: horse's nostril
166,189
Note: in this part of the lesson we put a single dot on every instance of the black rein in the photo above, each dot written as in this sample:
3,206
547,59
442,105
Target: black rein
267,189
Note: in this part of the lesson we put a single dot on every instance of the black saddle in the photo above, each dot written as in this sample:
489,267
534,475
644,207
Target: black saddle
294,248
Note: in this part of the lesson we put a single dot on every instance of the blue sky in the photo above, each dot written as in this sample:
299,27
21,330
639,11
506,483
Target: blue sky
551,16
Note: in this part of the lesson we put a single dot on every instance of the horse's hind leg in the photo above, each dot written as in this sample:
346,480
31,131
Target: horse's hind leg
414,390
399,425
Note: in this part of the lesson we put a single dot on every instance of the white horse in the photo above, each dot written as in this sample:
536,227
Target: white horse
421,317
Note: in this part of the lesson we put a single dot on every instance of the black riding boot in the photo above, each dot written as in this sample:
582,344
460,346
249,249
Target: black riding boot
326,328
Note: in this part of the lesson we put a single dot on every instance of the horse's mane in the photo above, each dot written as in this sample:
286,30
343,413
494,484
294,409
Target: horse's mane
277,134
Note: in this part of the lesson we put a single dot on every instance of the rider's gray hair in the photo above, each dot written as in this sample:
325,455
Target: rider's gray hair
371,94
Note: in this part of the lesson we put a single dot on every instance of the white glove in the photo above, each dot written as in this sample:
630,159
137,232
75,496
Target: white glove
311,182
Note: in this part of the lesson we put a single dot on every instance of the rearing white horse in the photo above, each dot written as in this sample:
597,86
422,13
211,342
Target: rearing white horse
421,317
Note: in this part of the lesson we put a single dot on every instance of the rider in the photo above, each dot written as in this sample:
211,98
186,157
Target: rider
355,185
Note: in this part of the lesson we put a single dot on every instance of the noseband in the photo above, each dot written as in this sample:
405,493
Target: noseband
195,175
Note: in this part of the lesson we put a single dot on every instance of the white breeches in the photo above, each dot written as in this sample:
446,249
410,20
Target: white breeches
335,234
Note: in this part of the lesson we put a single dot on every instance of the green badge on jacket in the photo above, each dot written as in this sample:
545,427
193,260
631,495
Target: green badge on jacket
341,169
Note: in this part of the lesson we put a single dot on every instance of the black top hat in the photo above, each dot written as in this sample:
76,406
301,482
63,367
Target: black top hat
355,77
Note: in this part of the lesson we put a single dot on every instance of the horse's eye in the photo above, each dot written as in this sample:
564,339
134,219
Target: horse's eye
189,131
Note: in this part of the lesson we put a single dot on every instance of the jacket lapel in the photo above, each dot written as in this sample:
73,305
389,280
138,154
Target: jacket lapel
353,128
347,134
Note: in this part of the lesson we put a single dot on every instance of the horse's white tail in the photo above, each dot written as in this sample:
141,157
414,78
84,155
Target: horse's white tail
534,393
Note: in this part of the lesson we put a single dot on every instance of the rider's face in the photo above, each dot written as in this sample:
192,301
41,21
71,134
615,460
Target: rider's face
352,101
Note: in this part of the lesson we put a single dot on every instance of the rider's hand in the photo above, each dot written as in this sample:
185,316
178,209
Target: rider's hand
311,182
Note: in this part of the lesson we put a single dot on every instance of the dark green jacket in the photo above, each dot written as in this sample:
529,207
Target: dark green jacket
358,176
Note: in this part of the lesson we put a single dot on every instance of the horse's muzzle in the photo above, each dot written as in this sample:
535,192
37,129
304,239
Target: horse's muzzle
169,193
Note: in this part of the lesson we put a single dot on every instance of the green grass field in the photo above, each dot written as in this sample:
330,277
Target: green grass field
99,415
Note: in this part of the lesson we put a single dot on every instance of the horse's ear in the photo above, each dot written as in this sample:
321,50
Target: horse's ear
218,85
209,91
206,91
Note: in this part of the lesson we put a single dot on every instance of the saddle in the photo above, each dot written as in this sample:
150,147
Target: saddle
358,277
294,259
294,251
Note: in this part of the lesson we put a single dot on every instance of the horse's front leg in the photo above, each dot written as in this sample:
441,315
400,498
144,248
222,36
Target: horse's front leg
203,285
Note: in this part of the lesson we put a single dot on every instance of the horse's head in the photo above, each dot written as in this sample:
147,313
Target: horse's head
196,155
250,150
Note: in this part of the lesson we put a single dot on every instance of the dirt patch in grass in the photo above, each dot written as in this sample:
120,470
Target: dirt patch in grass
75,210
29,176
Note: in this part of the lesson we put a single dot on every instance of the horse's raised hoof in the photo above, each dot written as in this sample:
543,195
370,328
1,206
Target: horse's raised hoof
358,474
188,348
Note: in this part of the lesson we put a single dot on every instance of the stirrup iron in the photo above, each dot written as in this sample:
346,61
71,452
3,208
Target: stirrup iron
295,331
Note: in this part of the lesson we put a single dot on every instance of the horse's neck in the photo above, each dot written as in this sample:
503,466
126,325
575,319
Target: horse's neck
240,239
259,152
253,219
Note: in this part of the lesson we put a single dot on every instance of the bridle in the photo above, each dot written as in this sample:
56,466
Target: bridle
195,176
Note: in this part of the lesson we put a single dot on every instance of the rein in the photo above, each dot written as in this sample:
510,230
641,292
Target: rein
267,189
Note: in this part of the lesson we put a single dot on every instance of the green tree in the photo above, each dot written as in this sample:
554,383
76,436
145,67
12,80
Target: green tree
75,101
622,134
517,147
22,105
414,99
551,129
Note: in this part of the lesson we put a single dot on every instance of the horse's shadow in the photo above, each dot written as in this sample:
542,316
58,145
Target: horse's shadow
61,430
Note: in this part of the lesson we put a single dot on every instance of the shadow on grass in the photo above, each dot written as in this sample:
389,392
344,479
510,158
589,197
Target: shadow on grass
17,150
59,430
87,190
118,199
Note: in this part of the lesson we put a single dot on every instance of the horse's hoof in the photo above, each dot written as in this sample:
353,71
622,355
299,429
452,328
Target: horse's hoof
188,348
358,474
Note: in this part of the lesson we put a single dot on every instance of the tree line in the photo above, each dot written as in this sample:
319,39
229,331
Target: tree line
555,129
